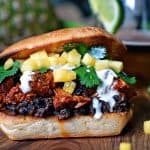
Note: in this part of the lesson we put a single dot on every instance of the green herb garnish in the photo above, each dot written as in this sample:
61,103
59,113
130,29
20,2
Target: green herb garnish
7,73
43,70
80,47
88,76
127,79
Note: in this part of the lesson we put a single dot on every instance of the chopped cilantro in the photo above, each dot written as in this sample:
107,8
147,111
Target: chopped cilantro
88,76
7,73
127,79
43,70
80,47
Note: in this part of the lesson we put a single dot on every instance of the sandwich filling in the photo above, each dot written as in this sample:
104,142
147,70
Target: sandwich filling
81,80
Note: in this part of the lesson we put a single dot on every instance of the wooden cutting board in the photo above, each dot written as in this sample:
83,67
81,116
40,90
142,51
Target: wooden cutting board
133,133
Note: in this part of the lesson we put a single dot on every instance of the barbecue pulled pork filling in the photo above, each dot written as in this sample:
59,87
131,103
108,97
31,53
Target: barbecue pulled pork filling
64,85
48,99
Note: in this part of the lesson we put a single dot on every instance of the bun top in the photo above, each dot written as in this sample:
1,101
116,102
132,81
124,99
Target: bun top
54,41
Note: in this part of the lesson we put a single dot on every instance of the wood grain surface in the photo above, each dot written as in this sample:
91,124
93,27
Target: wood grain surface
136,62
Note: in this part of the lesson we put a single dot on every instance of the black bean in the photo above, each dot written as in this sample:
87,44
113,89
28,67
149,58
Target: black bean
23,111
84,110
117,98
23,104
30,109
64,114
11,107
40,112
105,107
121,106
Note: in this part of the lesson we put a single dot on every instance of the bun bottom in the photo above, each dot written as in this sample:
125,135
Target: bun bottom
26,127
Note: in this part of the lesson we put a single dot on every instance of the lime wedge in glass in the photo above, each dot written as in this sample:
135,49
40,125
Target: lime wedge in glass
109,12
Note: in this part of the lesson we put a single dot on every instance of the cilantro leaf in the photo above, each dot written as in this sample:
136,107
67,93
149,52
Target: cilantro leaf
88,76
127,79
43,70
80,47
7,73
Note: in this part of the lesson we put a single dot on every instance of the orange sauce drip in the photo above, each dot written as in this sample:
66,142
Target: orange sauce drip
64,133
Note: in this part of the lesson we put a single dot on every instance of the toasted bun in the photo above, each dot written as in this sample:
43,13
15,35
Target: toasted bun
21,127
54,41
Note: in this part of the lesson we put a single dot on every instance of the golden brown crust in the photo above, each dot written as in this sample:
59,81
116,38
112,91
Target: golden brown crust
53,42
21,127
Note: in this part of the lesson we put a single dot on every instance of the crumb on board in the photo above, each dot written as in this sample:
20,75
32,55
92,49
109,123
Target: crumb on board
147,127
125,146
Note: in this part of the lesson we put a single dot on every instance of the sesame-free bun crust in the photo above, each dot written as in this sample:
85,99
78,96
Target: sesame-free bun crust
21,127
54,41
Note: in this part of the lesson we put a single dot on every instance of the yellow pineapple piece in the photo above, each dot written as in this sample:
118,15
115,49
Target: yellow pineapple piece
64,55
29,65
147,127
62,60
116,65
69,87
8,63
101,64
73,58
62,75
125,146
88,60
54,60
41,58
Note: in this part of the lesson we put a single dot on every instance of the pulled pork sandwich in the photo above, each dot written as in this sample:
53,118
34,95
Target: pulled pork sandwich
65,83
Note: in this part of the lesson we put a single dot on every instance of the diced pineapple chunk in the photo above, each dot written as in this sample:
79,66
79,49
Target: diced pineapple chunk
41,59
61,75
147,127
101,64
69,87
62,60
88,60
73,58
116,65
125,146
64,55
29,65
39,55
54,60
8,63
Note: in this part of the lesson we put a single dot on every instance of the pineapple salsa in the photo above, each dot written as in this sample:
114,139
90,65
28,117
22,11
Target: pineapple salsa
88,79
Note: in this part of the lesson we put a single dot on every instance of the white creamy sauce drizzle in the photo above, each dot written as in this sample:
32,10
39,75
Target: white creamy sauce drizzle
24,79
66,66
105,92
97,105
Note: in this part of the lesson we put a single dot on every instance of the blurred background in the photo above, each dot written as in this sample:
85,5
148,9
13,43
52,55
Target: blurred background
129,20
23,18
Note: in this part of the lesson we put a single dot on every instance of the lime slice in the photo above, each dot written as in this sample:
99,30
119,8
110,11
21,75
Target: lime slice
109,13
